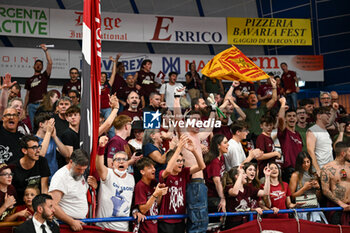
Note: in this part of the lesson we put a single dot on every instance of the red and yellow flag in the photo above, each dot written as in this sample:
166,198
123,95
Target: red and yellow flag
232,64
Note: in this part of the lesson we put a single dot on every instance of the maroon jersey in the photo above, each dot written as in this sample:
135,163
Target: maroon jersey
124,91
135,116
278,198
264,143
289,81
116,144
147,82
291,144
105,91
174,202
37,86
71,86
224,130
244,88
143,192
118,83
215,168
11,191
241,202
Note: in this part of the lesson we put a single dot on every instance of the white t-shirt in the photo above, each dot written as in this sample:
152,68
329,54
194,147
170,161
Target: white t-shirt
323,147
74,201
168,91
235,154
114,199
135,144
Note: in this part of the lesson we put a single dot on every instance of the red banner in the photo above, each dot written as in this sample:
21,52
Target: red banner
91,78
287,226
281,225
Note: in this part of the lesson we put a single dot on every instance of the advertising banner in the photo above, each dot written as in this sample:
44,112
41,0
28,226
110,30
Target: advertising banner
67,24
180,29
19,62
269,31
24,21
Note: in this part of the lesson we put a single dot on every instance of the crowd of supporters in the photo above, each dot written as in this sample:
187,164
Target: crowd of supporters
221,148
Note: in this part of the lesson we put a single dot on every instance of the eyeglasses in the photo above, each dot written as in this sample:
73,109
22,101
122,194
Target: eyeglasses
74,72
180,161
34,147
6,174
11,115
120,159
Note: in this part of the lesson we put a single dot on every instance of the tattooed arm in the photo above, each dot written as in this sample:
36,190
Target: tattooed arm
327,172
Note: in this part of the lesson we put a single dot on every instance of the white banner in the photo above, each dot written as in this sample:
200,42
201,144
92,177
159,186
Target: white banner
67,24
19,62
180,29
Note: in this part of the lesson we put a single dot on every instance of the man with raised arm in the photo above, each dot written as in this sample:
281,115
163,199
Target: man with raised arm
336,184
196,192
36,85
116,188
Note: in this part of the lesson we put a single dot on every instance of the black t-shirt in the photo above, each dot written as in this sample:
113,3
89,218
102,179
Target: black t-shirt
71,138
60,125
22,177
10,151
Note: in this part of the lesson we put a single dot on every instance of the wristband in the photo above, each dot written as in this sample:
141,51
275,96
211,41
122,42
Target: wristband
154,196
101,150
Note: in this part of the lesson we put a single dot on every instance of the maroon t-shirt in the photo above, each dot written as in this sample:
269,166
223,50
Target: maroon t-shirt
174,202
144,79
119,82
116,144
215,168
135,116
10,191
37,86
143,192
278,198
105,91
291,145
71,86
264,143
124,91
224,130
241,202
244,88
289,81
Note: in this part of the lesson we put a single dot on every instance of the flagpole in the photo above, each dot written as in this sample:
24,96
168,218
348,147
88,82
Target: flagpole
90,96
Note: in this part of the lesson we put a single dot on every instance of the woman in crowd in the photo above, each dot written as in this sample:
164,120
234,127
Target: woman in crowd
214,171
279,197
152,147
305,187
49,100
239,194
252,180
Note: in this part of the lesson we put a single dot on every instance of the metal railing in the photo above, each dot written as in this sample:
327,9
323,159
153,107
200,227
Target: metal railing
181,216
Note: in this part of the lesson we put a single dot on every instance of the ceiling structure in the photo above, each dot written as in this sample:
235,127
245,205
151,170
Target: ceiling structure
330,24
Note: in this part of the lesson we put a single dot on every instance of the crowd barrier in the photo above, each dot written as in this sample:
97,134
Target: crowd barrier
264,225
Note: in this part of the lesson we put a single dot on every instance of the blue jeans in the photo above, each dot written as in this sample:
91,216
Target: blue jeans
31,112
292,100
106,112
197,207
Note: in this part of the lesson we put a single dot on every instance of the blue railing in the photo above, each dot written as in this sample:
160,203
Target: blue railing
181,216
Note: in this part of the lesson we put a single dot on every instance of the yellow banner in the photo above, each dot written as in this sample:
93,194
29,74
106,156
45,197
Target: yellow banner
269,31
232,64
